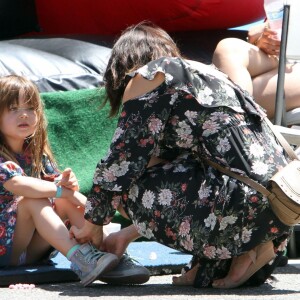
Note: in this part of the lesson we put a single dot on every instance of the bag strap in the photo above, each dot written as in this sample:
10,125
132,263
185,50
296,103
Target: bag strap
286,146
247,180
254,184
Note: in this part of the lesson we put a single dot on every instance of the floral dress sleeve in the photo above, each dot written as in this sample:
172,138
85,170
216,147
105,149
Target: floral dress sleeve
139,130
8,170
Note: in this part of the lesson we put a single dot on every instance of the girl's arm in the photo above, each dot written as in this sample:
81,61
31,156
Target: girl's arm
255,33
264,38
30,187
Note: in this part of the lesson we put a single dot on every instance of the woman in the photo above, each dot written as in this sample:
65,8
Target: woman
174,115
254,67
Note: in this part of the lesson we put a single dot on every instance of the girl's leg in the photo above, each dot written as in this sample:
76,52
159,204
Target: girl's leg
38,246
241,61
67,210
38,214
37,249
264,88
75,214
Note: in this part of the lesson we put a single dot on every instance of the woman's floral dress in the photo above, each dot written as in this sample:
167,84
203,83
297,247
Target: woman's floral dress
183,203
9,202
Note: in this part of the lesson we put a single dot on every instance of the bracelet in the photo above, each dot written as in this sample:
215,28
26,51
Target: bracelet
58,192
256,41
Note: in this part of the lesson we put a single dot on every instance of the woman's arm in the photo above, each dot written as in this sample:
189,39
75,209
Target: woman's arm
141,122
88,233
139,86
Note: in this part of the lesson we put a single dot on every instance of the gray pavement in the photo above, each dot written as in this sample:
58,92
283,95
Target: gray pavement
284,286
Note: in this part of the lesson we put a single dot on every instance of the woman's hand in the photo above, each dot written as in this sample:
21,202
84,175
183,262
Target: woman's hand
117,242
88,233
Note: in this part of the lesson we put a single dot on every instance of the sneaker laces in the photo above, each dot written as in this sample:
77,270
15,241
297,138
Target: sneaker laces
94,254
128,260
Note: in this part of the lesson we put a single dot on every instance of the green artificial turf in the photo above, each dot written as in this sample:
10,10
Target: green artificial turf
79,131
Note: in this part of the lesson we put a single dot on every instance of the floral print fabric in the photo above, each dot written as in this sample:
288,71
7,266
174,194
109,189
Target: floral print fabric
183,203
9,202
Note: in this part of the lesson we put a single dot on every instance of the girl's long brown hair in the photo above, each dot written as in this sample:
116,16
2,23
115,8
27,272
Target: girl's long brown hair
138,45
36,145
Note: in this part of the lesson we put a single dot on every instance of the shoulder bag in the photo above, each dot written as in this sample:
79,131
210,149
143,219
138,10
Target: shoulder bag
282,190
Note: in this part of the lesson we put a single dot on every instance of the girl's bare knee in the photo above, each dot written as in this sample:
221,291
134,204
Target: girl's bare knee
228,46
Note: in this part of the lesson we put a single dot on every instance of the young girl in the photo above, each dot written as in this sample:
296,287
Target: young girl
32,205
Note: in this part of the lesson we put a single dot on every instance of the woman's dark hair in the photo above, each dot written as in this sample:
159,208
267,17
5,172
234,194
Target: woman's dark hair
138,45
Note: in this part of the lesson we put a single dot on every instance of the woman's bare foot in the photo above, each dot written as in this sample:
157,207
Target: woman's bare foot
187,278
239,266
244,266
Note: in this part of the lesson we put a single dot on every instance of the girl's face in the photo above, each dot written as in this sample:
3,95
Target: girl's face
17,123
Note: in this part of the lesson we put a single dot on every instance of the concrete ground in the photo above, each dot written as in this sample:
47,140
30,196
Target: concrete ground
285,286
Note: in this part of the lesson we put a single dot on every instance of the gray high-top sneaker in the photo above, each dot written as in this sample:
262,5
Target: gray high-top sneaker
128,271
88,263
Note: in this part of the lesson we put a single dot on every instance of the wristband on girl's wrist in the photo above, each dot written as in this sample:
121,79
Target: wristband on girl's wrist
58,192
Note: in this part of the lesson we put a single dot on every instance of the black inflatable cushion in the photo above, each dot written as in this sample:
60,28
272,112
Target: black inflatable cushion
55,64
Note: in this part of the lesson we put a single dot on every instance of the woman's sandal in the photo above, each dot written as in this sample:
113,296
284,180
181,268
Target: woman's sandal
260,256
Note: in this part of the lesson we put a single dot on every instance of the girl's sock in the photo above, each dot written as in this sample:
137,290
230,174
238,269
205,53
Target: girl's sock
71,251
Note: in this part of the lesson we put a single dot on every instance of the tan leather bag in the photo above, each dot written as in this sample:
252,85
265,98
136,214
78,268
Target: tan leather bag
283,189
285,193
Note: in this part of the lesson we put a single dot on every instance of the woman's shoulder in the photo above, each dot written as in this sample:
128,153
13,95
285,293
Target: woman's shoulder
150,76
177,69
140,85
164,65
171,71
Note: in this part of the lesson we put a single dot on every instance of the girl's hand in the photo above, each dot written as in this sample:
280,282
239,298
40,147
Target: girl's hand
68,180
269,42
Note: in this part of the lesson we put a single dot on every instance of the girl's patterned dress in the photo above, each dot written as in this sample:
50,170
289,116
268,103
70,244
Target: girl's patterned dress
183,203
9,202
